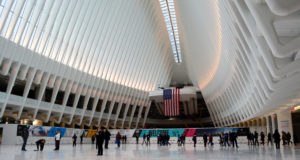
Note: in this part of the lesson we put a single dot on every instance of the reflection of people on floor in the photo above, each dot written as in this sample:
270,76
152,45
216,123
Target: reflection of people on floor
40,144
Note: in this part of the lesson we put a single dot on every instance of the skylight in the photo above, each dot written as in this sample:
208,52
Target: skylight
168,10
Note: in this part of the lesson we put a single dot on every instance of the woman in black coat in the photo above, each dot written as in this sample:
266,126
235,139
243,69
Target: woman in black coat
100,135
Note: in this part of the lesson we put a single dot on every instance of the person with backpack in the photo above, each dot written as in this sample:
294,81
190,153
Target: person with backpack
118,139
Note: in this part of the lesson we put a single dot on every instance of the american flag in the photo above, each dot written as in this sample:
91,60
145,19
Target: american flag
171,102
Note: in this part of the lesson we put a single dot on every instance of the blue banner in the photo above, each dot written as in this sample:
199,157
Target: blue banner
156,132
53,130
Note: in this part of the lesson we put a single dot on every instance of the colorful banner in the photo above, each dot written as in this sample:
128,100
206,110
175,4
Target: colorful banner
39,131
173,132
53,130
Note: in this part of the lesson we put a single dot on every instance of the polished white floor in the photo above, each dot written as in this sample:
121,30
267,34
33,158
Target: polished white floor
139,152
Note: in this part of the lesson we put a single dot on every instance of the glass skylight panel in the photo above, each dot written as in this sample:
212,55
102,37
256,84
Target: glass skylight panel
168,10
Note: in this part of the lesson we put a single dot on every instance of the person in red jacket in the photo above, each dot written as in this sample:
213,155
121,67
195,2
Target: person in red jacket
118,138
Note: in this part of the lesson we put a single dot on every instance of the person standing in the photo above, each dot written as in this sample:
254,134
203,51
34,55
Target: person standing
137,139
74,139
195,139
270,138
81,137
25,135
100,135
57,138
107,138
40,144
234,139
262,138
256,138
168,139
125,138
148,139
276,137
210,139
288,138
118,139
205,139
93,139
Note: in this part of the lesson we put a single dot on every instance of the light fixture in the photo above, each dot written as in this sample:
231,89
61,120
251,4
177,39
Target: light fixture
168,10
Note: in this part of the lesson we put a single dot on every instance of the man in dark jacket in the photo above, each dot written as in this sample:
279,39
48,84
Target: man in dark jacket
262,138
107,138
25,135
276,137
205,139
256,138
148,139
234,139
100,136
195,139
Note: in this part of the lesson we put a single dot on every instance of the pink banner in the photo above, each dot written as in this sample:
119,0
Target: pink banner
189,132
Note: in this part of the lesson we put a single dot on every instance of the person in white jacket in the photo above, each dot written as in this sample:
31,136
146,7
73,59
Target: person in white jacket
57,140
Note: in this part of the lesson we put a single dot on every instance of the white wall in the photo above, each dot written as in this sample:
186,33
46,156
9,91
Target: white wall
9,135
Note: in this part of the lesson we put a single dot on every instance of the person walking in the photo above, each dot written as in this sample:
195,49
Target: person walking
276,137
144,139
25,135
40,144
249,137
205,139
107,138
118,139
195,139
234,139
210,140
226,139
100,135
74,139
57,138
262,138
270,138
